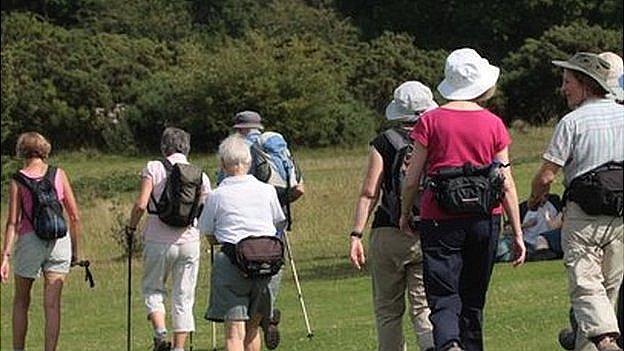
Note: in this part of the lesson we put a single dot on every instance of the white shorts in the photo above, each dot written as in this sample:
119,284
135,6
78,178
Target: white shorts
34,255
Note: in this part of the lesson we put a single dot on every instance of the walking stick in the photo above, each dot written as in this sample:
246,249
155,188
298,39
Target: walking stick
298,285
130,241
293,269
213,324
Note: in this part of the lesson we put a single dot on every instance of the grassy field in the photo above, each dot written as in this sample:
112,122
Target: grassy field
526,306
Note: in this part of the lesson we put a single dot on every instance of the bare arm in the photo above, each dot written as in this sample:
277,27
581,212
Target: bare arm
75,225
540,186
10,231
411,185
140,204
369,194
510,204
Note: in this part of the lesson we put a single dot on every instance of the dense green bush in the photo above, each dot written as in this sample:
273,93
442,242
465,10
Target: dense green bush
530,81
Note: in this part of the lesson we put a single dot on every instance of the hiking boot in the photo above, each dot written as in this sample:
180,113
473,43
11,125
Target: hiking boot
161,345
608,344
567,338
271,333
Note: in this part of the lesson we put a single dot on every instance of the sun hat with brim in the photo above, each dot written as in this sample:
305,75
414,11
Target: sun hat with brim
467,75
248,119
590,64
411,99
616,75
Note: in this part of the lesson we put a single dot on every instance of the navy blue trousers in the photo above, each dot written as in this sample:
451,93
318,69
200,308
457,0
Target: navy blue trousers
458,257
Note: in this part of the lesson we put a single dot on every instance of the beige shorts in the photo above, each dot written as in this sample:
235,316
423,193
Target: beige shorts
33,255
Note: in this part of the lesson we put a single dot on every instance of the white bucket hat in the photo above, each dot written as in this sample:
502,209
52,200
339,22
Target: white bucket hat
411,99
467,75
615,79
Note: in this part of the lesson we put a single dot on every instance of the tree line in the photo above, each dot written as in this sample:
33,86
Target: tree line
111,74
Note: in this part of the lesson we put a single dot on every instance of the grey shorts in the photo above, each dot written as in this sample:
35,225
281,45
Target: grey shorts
34,255
234,297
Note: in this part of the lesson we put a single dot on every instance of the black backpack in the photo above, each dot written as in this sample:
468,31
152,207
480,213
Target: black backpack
469,189
47,215
391,201
599,191
179,203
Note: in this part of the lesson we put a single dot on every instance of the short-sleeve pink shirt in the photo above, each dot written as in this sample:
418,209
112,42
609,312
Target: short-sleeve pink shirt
454,137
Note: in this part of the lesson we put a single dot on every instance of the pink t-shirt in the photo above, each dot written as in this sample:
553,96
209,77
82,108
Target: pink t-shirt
156,230
454,137
25,226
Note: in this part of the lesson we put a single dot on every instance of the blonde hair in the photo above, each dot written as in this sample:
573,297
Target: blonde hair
32,145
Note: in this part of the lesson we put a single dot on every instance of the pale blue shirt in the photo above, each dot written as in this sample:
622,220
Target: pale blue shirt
240,207
587,137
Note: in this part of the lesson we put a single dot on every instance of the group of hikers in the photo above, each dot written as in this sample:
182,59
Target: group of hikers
440,185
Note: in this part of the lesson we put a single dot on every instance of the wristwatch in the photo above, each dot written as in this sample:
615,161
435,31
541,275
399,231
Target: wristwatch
356,234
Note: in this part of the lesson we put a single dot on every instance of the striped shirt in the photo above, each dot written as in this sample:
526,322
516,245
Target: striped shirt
589,136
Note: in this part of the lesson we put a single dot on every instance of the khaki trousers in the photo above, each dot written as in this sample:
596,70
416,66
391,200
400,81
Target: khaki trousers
594,258
396,264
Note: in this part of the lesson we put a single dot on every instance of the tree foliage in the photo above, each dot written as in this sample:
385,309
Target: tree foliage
111,74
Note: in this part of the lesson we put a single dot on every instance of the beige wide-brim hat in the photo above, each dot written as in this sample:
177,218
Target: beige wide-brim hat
411,99
590,64
616,74
467,75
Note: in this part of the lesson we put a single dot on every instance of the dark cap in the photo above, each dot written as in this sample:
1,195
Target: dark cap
248,119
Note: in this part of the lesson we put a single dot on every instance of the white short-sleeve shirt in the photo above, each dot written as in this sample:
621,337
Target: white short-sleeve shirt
240,207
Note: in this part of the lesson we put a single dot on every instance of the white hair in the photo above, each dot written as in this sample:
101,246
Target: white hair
234,151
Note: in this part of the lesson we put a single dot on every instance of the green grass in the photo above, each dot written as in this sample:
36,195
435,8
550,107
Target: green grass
526,306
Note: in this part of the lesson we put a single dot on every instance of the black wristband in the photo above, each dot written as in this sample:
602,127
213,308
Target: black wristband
356,234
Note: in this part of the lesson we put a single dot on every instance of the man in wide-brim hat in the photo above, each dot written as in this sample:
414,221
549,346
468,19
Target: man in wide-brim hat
584,139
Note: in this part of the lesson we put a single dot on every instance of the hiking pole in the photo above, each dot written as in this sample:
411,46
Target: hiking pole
129,240
298,285
213,324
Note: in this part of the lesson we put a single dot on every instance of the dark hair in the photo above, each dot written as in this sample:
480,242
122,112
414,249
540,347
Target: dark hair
590,83
175,140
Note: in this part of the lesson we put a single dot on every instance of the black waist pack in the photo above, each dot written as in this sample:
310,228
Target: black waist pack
469,189
259,256
599,191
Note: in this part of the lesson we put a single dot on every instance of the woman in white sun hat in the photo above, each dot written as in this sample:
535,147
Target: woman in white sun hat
459,249
396,257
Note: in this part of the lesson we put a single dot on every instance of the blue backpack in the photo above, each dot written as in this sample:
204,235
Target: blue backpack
272,163
47,215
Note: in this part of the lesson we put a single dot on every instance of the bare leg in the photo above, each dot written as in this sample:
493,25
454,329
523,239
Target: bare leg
252,336
157,319
179,339
234,335
21,303
53,286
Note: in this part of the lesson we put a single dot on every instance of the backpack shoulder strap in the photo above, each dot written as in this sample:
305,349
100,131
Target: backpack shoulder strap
24,180
51,175
397,139
167,164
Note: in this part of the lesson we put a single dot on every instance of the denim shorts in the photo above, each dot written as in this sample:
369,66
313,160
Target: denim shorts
34,255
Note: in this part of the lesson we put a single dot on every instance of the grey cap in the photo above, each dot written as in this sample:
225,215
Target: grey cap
248,119
590,64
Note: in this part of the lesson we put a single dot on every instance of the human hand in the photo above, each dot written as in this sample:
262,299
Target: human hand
518,250
357,256
5,268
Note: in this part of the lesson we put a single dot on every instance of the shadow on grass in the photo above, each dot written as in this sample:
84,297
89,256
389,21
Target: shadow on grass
329,268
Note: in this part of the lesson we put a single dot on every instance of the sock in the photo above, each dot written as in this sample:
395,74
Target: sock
160,333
